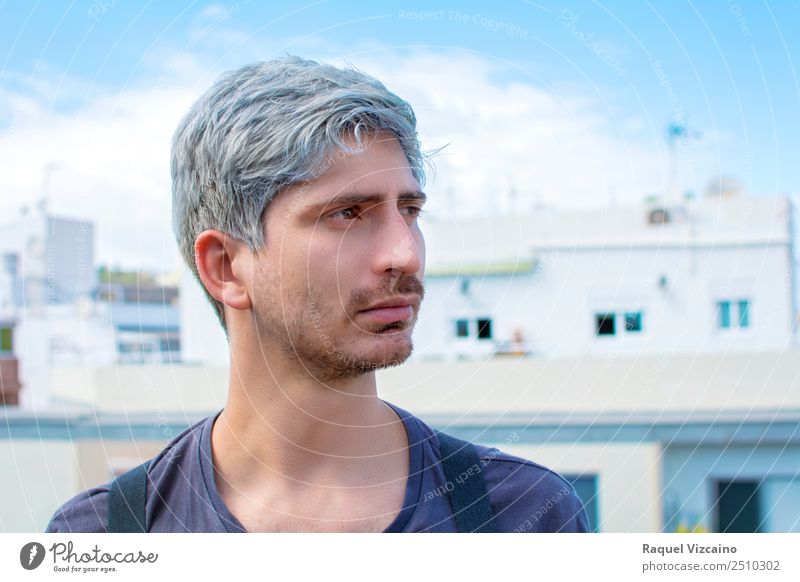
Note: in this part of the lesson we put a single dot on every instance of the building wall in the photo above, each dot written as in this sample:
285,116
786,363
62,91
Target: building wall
37,477
99,461
40,475
555,305
585,263
203,340
666,387
678,384
69,259
158,388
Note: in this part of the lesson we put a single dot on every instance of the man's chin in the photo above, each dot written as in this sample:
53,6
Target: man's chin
396,349
352,365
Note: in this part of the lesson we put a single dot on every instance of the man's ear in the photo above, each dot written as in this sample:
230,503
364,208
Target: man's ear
224,265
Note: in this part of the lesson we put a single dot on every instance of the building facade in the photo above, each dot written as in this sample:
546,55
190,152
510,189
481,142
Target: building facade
708,276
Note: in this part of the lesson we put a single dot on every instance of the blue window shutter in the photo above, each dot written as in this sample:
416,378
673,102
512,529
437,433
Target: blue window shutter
724,310
744,313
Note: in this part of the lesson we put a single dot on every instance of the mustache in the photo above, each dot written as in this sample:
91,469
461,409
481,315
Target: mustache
364,298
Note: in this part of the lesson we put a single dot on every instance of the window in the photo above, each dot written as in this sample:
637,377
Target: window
484,329
6,343
738,507
744,313
586,489
633,321
725,313
170,344
765,504
605,324
780,498
462,328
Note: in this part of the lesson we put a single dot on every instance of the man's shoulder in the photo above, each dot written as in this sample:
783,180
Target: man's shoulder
527,496
85,512
502,466
88,510
507,471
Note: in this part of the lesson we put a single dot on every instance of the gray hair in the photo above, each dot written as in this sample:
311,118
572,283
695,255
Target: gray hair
267,126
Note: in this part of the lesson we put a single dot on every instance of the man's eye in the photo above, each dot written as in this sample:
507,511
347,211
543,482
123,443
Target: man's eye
346,213
353,212
414,210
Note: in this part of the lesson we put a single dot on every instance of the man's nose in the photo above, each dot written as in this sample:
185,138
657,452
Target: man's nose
398,246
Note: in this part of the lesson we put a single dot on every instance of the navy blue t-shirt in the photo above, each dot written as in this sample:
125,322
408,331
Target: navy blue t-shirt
182,495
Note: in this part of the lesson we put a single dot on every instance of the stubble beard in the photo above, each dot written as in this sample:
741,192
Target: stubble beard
325,341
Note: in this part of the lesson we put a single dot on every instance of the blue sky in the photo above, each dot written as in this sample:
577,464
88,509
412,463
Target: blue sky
565,103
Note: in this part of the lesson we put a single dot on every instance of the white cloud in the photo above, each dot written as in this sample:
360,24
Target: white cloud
550,147
111,166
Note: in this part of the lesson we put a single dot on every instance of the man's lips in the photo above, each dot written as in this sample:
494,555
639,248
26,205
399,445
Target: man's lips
388,314
400,308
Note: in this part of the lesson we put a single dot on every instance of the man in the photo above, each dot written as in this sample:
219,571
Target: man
296,197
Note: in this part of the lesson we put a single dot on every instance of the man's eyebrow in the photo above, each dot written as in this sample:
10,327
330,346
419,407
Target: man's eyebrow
356,199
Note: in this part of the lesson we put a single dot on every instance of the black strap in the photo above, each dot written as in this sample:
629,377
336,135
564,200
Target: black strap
465,485
127,497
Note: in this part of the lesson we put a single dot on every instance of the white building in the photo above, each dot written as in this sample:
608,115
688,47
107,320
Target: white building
713,275
48,271
55,313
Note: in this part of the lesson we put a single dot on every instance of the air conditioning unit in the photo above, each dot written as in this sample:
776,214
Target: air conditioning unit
659,216
667,215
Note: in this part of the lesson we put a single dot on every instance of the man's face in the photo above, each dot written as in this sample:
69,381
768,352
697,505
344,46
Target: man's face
335,247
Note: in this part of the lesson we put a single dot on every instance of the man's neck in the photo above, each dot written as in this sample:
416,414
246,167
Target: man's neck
283,429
